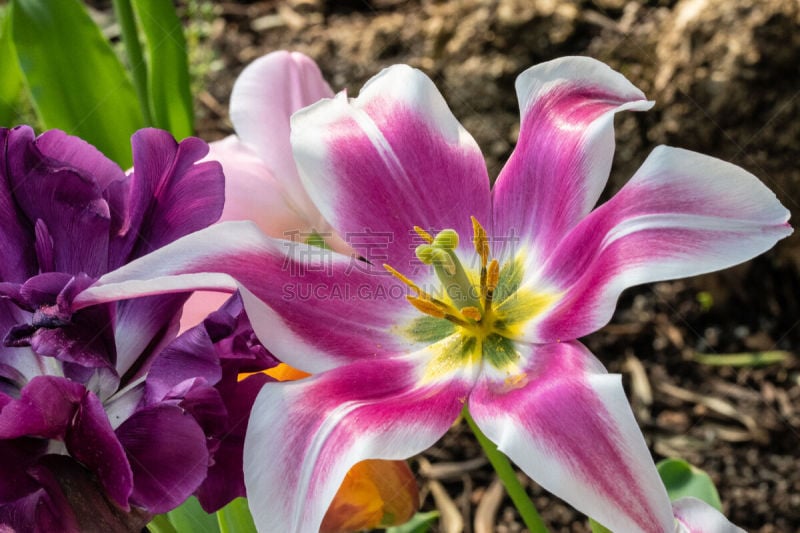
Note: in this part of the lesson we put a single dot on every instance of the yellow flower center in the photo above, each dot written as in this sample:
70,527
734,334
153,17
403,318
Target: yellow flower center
478,314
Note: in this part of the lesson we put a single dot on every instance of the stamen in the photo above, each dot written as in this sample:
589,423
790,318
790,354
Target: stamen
427,237
473,313
426,306
492,278
493,275
480,240
436,309
402,278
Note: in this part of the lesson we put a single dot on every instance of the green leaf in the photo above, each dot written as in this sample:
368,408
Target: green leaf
161,524
191,518
683,479
744,359
419,523
167,67
76,82
235,518
11,82
597,527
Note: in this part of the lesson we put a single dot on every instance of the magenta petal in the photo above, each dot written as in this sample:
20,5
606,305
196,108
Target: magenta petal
565,148
304,436
682,214
168,456
568,425
389,160
324,309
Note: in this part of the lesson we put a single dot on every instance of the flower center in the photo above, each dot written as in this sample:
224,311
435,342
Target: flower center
464,304
480,311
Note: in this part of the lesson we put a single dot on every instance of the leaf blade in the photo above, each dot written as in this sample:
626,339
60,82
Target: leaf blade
76,82
168,85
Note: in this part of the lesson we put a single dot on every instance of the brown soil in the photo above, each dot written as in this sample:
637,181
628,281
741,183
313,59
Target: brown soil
725,75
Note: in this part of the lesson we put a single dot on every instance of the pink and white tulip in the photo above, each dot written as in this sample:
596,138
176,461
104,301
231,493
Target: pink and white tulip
465,317
261,180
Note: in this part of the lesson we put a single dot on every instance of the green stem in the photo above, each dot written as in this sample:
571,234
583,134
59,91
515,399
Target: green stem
133,49
508,476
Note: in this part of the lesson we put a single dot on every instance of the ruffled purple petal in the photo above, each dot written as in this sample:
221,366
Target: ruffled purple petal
56,408
15,232
168,456
171,194
16,456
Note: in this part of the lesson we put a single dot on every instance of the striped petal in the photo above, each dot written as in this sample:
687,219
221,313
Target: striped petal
304,436
325,309
264,96
567,424
389,160
565,148
696,516
682,214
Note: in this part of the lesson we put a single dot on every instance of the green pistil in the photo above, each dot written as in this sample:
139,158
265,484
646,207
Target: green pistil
440,254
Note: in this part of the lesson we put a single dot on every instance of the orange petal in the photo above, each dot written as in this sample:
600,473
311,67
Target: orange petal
375,493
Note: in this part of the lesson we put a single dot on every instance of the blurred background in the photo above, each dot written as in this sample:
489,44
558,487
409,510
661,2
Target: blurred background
725,75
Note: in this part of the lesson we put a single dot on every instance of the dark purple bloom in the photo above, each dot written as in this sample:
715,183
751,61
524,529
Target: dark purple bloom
106,397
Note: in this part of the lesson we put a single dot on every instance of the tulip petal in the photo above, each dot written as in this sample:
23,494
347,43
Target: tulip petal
168,456
389,160
252,192
263,99
567,424
696,516
325,309
304,436
566,144
682,214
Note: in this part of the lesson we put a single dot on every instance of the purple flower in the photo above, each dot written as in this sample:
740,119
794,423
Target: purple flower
436,314
105,396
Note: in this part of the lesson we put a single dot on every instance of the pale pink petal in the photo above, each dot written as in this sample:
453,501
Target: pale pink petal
567,424
696,516
325,309
264,96
393,158
565,148
199,306
304,436
253,193
682,214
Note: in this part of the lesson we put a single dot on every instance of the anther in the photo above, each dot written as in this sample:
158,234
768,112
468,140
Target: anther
473,313
480,240
424,234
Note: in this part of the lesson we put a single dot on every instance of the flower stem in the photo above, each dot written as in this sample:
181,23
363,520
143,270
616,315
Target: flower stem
508,476
133,49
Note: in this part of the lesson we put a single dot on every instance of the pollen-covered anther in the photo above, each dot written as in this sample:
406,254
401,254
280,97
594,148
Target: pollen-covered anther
493,275
427,306
480,241
427,237
402,278
472,313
